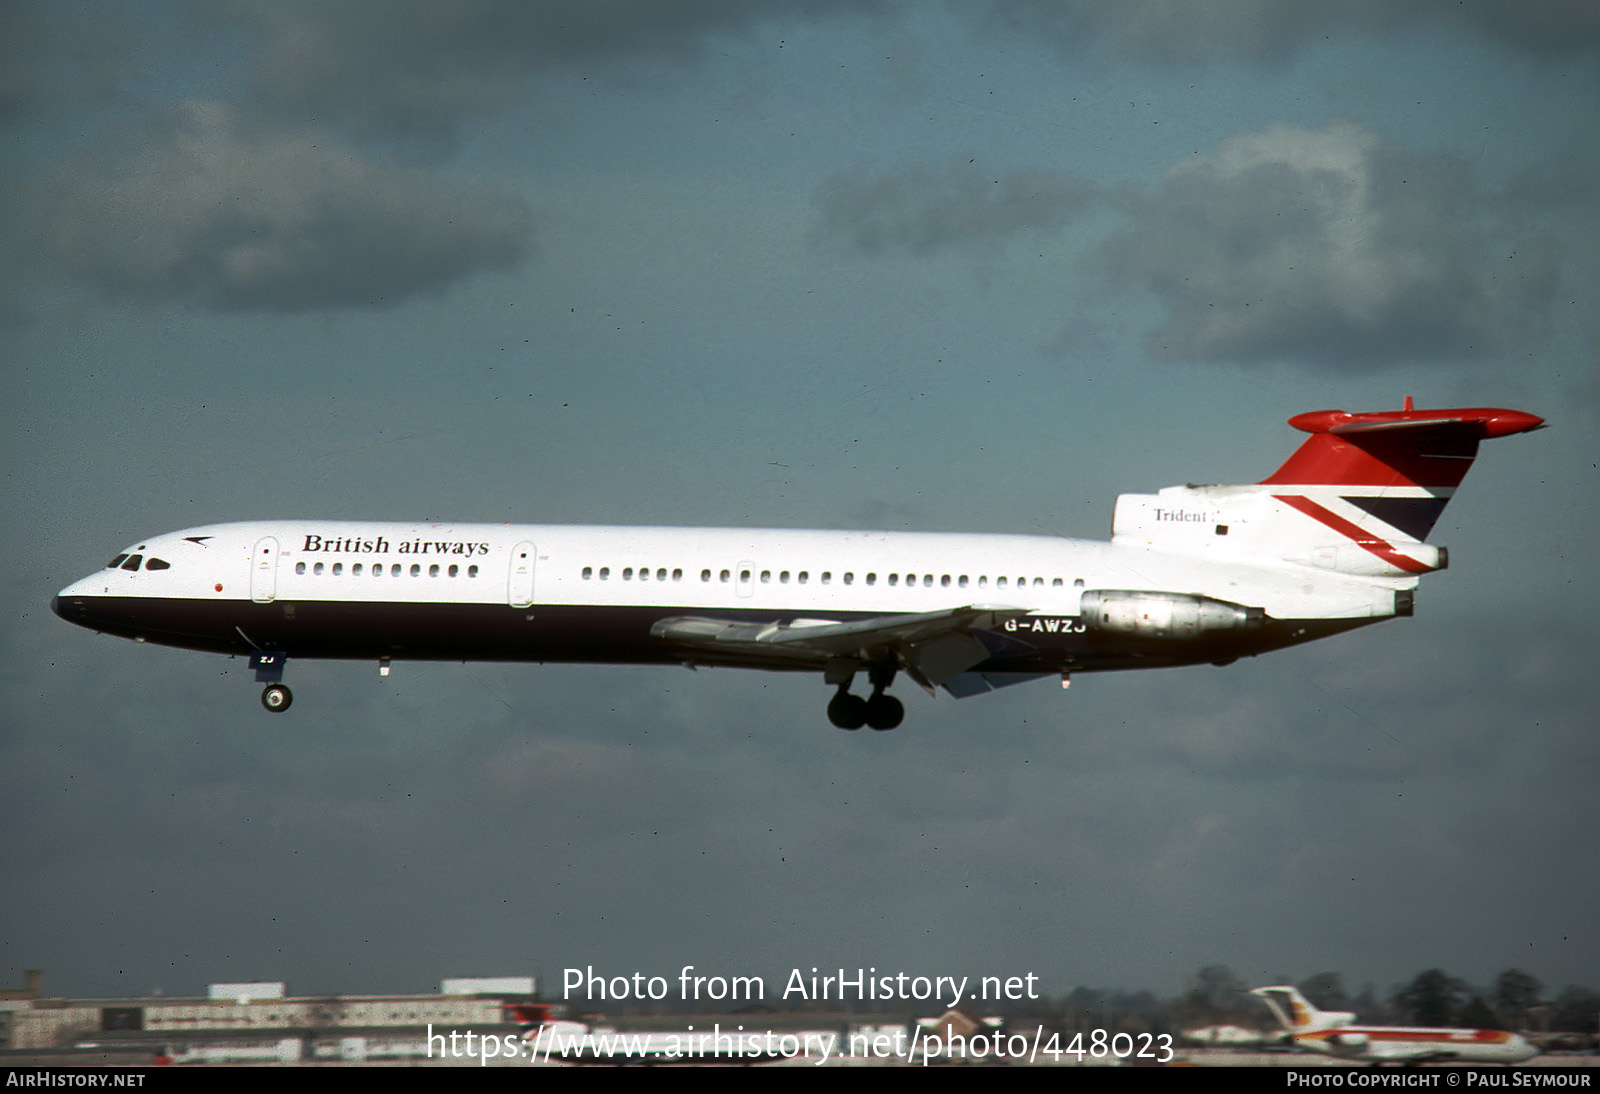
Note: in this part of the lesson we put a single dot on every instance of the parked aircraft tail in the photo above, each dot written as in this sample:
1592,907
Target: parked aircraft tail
1296,1014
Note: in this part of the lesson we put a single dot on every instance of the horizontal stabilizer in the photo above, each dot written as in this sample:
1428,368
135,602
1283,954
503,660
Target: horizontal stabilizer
1395,448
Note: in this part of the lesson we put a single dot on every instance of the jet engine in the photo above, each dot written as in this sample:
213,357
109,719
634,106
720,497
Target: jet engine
1164,615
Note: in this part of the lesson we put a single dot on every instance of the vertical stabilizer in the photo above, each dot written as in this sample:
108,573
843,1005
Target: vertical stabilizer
1296,1014
1358,497
1397,469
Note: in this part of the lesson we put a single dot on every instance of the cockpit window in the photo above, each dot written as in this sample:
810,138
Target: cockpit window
157,564
133,562
118,561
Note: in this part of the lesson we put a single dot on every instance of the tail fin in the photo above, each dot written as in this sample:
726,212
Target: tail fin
1295,1013
1358,497
1399,467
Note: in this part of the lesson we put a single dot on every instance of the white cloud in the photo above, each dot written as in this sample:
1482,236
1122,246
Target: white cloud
1331,246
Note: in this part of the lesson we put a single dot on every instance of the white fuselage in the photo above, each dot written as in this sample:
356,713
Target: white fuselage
785,571
1401,1044
968,613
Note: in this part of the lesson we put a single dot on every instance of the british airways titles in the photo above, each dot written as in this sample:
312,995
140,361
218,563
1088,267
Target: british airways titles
381,546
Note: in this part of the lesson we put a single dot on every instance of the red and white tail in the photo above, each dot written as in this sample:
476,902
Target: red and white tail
1358,497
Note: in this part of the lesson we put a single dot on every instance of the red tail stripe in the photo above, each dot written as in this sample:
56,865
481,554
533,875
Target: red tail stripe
1354,532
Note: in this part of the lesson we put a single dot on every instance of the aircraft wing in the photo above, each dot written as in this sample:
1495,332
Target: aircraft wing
931,647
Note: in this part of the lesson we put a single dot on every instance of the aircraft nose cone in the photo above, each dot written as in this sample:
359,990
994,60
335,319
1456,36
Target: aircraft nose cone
68,607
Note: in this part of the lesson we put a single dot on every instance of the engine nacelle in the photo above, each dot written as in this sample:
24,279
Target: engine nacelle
1164,615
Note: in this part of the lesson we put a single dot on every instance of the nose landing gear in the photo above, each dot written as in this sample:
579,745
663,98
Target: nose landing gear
268,665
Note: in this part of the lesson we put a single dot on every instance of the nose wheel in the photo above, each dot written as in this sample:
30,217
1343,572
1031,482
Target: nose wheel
268,665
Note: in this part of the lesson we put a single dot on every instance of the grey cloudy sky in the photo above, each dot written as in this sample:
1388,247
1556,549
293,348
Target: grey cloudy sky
972,267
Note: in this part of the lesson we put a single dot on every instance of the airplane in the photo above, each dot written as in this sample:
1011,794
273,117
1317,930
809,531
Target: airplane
1331,1033
1331,541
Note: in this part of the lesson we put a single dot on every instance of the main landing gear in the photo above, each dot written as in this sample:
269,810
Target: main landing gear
879,711
269,670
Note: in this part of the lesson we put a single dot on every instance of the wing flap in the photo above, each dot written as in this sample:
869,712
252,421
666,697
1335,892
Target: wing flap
931,647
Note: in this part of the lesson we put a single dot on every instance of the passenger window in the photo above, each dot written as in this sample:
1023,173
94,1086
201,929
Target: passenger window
962,581
433,570
783,578
803,576
355,571
605,573
644,573
945,581
472,571
849,578
1038,583
1000,583
827,577
766,576
394,571
705,575
661,574
454,570
894,579
588,572
299,567
677,575
627,573
317,569
872,579
1055,583
338,568
725,576
927,581
416,569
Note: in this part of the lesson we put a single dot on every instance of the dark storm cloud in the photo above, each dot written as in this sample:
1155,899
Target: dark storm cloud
1333,247
232,217
417,68
920,211
1163,32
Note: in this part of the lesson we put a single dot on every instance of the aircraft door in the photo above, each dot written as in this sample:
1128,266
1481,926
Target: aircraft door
519,593
264,571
